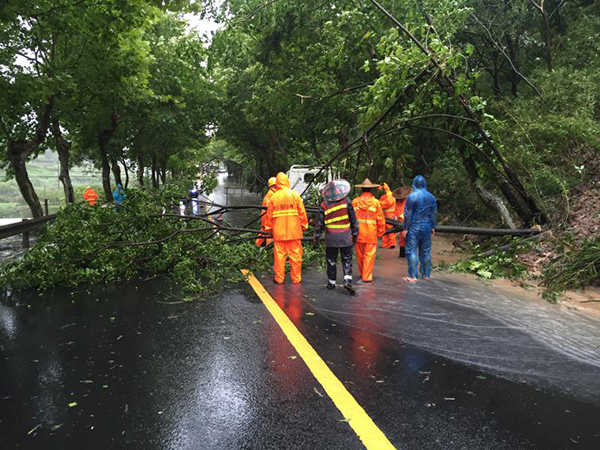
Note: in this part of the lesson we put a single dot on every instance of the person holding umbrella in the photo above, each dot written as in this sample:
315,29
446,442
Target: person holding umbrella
337,219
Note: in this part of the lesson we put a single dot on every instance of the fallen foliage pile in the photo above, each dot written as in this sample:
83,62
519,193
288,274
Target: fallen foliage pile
93,244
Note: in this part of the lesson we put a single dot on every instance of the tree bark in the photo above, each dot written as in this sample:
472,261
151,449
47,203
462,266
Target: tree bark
141,168
513,52
154,173
126,173
489,199
104,138
116,170
18,151
63,147
546,31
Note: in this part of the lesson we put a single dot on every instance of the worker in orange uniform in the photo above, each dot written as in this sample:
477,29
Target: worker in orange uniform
388,204
400,195
261,241
90,196
286,219
371,225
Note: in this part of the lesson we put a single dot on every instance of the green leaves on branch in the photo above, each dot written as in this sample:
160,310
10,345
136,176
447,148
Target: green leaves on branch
88,244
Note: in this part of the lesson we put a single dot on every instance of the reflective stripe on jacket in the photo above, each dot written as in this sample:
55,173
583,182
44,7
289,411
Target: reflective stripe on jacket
338,220
369,215
286,216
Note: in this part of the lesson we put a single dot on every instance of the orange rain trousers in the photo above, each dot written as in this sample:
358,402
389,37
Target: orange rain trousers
293,250
388,240
365,257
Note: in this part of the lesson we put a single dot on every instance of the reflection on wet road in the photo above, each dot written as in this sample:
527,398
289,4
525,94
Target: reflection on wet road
472,324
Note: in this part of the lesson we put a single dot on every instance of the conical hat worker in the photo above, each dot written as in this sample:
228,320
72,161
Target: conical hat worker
371,225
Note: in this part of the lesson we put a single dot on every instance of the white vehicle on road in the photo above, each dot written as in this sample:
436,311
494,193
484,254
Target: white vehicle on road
301,176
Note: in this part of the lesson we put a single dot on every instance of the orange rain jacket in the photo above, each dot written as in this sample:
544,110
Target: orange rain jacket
90,196
263,219
286,216
371,222
388,203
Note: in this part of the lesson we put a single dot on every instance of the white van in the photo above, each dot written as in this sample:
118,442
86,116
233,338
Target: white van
300,177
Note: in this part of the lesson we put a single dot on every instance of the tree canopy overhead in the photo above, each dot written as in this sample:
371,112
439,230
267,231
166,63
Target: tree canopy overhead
495,102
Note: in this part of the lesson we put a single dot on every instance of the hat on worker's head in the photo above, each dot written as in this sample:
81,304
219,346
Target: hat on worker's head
272,181
367,184
401,193
336,190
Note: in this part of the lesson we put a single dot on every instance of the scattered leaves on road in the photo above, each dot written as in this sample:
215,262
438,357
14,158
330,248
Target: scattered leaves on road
292,357
72,404
30,432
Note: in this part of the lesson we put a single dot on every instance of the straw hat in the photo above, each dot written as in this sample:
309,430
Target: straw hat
366,184
401,193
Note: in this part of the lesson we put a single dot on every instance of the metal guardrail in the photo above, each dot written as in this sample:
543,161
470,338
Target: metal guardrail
25,227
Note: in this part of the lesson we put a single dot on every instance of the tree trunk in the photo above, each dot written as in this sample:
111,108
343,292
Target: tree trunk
154,173
546,31
105,170
116,170
490,200
548,40
19,151
163,169
126,173
17,154
513,47
63,147
141,168
104,138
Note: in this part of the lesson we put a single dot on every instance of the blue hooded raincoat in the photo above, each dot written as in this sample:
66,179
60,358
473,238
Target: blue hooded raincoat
118,196
420,217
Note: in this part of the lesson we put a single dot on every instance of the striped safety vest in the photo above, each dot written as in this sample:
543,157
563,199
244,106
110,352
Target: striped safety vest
336,216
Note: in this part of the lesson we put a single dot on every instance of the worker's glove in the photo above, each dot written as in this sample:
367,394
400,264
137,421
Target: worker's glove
386,188
354,238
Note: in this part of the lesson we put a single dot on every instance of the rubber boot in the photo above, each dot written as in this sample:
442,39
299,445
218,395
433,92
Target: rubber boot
348,287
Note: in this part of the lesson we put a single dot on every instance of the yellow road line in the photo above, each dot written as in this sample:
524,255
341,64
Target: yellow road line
370,435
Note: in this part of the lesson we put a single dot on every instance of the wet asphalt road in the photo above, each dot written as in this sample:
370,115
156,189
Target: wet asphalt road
219,373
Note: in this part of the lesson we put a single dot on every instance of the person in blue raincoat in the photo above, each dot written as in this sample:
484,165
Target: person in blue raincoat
420,222
118,196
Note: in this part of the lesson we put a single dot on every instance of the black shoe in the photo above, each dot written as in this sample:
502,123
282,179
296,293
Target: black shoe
330,286
348,287
402,253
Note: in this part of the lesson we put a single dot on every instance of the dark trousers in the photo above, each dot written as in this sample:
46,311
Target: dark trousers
331,253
